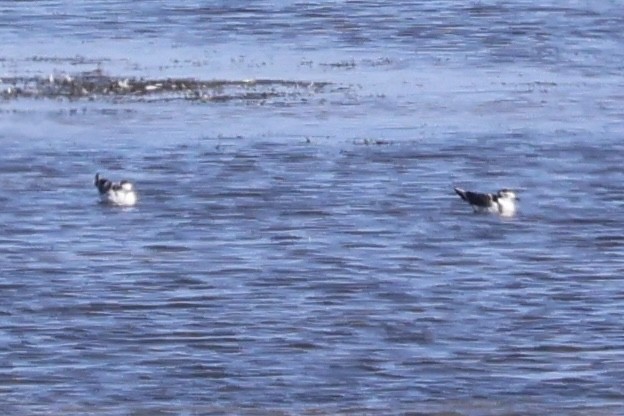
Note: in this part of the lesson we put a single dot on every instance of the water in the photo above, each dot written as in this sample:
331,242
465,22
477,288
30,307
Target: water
297,247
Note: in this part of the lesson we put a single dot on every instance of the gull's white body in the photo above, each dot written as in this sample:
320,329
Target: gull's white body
507,206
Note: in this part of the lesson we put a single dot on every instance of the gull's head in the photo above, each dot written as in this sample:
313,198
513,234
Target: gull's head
126,186
507,194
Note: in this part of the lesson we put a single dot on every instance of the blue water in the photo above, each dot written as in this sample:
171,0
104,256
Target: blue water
297,247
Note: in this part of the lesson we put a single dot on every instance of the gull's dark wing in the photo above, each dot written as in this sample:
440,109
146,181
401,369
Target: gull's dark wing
102,184
475,198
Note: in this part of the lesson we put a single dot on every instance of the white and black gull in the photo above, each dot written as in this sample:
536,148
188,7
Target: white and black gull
503,202
116,193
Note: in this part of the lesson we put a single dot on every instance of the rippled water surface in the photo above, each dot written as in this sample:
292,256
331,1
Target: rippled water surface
297,247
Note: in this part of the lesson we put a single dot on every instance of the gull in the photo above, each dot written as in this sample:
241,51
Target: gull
503,202
116,193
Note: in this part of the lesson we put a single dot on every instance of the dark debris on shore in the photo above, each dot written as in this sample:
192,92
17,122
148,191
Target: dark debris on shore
95,85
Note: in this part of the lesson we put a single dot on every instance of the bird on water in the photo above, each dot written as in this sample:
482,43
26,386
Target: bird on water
503,202
116,193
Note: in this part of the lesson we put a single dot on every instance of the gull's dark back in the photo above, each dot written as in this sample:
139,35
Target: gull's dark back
103,184
475,198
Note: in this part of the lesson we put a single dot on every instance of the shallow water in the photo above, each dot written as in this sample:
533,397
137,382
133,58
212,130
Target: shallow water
297,247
